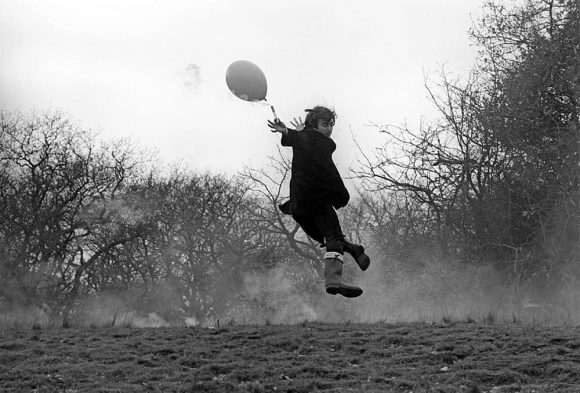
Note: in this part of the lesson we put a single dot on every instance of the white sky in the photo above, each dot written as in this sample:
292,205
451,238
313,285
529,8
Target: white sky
119,67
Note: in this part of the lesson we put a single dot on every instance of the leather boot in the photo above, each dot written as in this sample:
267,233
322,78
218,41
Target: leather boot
333,277
358,253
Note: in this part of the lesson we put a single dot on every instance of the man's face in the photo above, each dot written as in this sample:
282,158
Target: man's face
325,127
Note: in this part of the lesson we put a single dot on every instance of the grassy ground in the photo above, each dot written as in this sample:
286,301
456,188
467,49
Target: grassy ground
308,357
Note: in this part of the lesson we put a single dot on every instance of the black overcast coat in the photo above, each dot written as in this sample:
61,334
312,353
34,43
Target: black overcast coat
315,181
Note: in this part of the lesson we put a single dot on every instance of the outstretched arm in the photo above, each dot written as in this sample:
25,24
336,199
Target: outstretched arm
290,137
278,126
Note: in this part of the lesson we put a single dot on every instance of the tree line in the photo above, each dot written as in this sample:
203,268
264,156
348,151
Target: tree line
494,181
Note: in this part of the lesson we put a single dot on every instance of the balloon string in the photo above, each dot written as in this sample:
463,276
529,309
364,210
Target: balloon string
265,102
274,112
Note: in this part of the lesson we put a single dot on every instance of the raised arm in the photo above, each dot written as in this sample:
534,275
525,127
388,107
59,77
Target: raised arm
290,137
278,126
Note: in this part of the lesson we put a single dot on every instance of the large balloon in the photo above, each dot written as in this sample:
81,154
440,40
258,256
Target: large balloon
247,81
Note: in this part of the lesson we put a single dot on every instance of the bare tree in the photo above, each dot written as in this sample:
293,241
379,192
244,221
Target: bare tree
501,161
51,172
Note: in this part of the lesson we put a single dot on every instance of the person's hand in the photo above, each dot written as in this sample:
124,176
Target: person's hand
277,126
298,124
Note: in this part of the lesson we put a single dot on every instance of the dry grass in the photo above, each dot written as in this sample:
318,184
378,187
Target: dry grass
412,357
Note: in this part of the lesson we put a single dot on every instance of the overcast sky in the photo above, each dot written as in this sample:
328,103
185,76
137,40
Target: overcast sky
155,70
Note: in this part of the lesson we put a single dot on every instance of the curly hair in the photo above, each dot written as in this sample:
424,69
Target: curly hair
317,113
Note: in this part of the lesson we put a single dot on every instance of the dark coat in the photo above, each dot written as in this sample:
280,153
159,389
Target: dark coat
315,181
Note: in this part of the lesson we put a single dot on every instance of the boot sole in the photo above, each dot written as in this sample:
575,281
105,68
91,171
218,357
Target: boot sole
346,292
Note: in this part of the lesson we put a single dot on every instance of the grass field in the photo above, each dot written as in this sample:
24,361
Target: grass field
407,357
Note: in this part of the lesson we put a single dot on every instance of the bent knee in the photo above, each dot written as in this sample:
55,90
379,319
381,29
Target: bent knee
335,245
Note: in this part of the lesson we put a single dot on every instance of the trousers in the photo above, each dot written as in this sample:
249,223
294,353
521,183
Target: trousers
323,227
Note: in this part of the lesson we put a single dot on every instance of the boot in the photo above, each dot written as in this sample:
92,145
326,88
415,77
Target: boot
358,253
333,277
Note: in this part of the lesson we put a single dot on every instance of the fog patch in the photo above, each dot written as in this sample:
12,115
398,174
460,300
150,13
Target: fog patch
273,296
445,290
440,290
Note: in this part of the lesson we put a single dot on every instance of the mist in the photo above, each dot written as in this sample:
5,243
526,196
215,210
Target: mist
441,293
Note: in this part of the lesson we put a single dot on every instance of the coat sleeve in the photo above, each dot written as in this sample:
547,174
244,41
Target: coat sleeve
293,138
